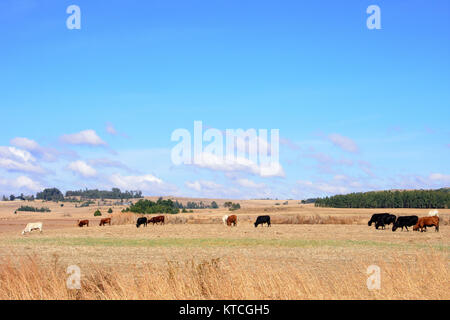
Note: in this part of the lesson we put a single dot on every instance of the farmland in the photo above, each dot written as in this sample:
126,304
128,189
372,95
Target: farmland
308,253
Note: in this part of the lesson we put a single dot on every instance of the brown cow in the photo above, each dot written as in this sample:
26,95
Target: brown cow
82,223
425,222
105,221
158,219
232,220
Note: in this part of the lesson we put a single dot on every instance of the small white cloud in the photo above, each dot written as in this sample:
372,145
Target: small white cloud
21,183
82,168
15,159
86,137
236,164
146,183
246,183
202,185
344,143
439,177
110,129
33,147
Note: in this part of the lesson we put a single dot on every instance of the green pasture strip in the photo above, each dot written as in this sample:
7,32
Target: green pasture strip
212,242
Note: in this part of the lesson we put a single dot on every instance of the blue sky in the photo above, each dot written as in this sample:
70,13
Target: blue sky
357,109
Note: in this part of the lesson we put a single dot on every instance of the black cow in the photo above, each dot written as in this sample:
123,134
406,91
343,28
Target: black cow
406,222
376,217
141,221
385,220
261,220
382,219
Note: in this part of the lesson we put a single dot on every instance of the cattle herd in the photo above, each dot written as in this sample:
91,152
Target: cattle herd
380,220
384,219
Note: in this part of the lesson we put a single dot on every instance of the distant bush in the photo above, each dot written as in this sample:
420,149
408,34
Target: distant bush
85,204
52,194
97,213
214,205
235,206
110,210
33,209
148,206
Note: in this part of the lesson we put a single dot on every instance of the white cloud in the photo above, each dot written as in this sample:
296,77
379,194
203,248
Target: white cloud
344,143
439,177
246,183
202,185
86,137
21,183
34,148
82,168
148,184
213,162
14,159
323,187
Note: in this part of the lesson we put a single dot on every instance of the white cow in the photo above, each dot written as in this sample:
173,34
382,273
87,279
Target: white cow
224,219
433,213
32,226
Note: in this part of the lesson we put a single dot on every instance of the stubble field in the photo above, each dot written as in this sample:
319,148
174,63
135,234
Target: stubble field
308,253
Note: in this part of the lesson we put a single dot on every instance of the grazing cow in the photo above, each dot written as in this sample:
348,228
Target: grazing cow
406,222
224,219
425,222
433,213
232,220
141,221
82,223
158,219
381,219
261,220
32,226
105,221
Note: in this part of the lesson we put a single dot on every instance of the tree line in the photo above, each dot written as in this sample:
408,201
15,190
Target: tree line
115,193
420,199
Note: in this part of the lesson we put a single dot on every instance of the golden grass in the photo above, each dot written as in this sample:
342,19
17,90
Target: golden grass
424,276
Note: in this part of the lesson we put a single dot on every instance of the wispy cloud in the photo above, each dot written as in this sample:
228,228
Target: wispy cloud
343,142
46,154
86,137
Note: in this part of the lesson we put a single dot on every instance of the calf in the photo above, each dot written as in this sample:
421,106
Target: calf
261,220
32,226
232,220
141,221
82,223
406,222
425,222
158,219
105,221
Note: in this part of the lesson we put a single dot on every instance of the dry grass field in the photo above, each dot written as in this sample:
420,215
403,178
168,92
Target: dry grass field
308,253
